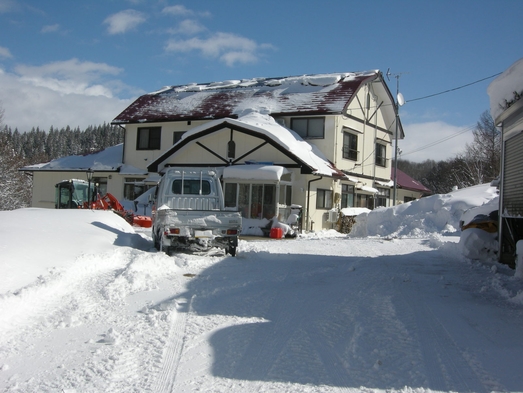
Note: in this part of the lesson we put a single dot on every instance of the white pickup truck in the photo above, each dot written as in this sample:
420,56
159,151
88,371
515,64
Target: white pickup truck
189,213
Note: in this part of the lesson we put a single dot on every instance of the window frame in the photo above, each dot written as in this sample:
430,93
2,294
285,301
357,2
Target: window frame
381,159
346,148
382,195
307,130
347,191
154,142
324,199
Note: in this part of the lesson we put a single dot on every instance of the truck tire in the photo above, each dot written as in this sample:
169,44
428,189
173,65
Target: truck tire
156,242
232,244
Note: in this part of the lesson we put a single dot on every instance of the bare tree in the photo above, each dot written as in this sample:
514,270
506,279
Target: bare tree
15,188
482,156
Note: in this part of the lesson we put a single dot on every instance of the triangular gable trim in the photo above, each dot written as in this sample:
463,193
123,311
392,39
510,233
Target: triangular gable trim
305,168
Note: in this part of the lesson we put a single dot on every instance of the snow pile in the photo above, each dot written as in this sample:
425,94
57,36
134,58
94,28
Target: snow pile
440,213
74,232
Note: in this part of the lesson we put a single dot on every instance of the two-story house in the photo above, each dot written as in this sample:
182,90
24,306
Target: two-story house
322,142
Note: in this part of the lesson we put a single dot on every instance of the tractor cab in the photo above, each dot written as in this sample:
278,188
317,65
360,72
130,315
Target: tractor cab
74,194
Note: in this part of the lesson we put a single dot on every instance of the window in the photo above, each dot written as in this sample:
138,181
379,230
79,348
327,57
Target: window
177,135
309,127
230,194
408,199
133,188
149,138
381,158
323,199
101,184
285,195
191,187
347,196
382,197
252,200
350,146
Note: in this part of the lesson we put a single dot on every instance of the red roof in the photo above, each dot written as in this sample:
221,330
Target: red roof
305,95
408,183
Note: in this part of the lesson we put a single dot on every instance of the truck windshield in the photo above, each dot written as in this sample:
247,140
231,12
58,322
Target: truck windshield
191,187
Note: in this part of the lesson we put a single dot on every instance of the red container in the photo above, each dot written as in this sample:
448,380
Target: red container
276,233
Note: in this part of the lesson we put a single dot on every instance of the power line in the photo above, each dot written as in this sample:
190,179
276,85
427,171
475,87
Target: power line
470,128
456,88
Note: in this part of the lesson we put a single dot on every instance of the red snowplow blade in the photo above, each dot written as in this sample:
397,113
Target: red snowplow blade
142,221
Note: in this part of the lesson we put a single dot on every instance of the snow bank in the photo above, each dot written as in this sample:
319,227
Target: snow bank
38,231
435,214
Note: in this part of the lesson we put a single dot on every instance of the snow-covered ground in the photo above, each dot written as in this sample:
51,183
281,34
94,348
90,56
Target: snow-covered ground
86,305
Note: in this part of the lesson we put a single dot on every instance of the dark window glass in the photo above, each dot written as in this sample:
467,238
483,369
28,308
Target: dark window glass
347,196
323,199
350,146
309,127
381,158
177,135
149,138
191,187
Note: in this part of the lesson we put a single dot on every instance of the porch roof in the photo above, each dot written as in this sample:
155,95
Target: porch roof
254,172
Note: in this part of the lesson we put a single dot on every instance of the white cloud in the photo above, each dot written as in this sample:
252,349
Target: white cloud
8,6
178,10
433,140
50,28
124,21
188,27
4,52
229,48
70,76
58,94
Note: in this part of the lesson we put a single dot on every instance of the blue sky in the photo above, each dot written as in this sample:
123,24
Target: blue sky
80,63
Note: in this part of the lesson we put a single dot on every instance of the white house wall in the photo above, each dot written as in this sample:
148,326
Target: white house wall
217,142
141,158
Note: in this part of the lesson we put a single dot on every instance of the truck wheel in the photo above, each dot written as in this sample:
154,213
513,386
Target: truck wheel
156,242
231,247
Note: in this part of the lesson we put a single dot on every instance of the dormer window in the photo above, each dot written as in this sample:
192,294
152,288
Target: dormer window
309,127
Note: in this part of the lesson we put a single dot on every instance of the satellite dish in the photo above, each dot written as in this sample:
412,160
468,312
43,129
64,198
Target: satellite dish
401,100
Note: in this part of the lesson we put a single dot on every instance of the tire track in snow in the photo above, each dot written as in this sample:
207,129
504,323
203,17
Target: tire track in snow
447,365
172,354
292,345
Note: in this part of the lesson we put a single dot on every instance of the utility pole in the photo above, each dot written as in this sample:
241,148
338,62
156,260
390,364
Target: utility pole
399,102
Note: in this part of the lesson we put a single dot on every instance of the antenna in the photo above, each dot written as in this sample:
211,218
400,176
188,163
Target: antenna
401,100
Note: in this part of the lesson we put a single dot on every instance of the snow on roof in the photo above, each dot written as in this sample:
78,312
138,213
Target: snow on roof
354,211
109,159
305,94
502,89
269,128
251,172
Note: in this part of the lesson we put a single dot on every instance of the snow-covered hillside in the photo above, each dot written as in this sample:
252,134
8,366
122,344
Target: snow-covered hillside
86,305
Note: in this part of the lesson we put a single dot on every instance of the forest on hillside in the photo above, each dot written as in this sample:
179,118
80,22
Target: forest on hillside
19,149
478,163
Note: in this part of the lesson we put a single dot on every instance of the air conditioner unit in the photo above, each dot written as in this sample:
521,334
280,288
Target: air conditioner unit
333,216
